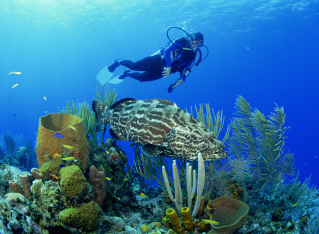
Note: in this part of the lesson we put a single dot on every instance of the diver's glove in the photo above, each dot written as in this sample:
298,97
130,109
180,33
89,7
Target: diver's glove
177,83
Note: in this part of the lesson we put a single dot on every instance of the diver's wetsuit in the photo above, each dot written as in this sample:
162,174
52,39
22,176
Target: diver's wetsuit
153,66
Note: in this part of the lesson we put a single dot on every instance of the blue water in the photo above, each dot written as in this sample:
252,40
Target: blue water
266,51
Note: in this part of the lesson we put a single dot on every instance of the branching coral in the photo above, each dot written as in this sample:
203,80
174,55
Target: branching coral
261,141
107,97
214,122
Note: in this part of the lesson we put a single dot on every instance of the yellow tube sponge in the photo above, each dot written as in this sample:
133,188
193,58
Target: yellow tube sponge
187,219
174,220
201,207
166,222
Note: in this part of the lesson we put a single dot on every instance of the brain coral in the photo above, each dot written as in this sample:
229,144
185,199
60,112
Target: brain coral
73,182
85,217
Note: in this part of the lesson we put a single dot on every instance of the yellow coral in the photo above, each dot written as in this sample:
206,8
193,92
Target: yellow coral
145,228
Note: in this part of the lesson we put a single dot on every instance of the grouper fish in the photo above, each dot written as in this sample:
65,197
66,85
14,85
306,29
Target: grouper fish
160,127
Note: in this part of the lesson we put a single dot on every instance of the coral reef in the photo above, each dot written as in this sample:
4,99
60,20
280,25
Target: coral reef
49,146
106,198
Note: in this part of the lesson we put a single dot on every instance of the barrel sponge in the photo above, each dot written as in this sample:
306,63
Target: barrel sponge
51,167
230,213
48,145
85,217
73,182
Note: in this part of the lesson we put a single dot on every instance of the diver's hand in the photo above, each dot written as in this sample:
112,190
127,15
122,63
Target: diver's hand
167,72
173,86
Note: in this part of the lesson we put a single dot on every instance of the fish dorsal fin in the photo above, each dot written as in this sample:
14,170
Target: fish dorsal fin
119,102
162,101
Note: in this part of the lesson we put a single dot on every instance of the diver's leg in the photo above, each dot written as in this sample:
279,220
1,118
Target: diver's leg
147,64
114,65
142,77
146,76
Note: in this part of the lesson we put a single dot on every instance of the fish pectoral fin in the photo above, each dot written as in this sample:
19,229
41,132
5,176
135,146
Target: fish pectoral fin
151,150
116,135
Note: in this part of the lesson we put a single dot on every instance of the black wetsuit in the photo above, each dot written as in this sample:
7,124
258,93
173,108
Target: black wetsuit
153,66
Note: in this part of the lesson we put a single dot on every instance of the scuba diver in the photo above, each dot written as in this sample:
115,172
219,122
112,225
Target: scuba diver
176,56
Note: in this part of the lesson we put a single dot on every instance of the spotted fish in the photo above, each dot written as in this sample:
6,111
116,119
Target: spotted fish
160,128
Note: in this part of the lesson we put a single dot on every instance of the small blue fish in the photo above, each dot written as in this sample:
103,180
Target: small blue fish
61,166
57,135
101,150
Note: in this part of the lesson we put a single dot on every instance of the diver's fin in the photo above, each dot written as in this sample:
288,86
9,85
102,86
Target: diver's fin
151,150
115,104
116,80
98,108
106,73
104,76
116,135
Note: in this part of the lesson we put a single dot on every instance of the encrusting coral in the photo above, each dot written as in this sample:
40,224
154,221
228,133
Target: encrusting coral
17,197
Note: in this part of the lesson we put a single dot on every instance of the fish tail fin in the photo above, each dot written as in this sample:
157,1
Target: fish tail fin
100,111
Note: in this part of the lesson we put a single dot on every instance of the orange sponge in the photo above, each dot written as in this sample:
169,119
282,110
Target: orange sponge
55,131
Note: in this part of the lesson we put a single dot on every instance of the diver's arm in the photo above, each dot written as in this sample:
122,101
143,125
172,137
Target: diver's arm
177,83
181,80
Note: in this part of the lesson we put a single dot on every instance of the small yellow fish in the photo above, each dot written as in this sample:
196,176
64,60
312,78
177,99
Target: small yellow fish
45,98
107,152
294,205
17,73
68,147
72,127
143,195
107,178
68,158
15,85
210,221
